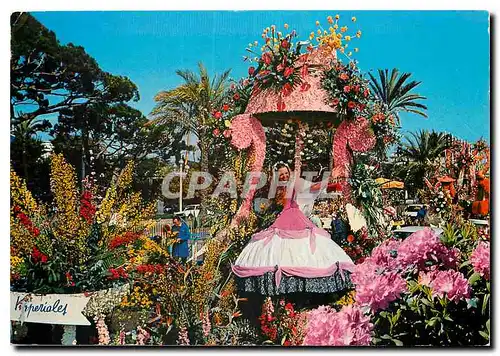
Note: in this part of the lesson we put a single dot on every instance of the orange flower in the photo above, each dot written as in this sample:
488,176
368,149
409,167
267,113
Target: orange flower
236,314
350,238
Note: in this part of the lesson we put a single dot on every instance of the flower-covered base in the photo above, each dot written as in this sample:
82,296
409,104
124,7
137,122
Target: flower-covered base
266,285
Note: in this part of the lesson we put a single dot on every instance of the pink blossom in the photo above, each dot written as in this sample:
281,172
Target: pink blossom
216,132
480,259
375,287
327,327
102,332
385,254
451,284
423,246
183,337
347,89
142,336
227,133
206,326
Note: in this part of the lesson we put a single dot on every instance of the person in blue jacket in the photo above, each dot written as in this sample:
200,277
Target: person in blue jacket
181,249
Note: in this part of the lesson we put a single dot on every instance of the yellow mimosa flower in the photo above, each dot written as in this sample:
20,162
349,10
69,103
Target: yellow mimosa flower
353,19
286,26
337,17
356,49
317,23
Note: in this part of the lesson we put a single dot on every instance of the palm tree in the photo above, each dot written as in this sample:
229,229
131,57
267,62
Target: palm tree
396,93
421,153
187,108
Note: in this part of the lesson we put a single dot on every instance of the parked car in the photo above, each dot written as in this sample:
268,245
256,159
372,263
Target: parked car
189,211
412,210
406,231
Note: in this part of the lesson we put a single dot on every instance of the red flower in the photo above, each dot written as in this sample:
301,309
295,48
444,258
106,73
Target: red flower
344,76
216,132
266,57
335,102
288,72
361,107
350,238
218,114
355,88
304,71
310,48
236,97
225,107
305,86
227,133
286,343
251,71
347,89
351,105
87,209
263,73
38,256
287,89
285,44
123,240
366,92
280,67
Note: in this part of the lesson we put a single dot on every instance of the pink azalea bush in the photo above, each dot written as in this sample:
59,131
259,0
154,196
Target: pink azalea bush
451,284
480,259
423,246
347,327
385,254
375,287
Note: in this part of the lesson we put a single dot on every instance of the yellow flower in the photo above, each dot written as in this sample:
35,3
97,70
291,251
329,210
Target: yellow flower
353,19
335,26
317,23
343,29
358,34
342,50
339,35
286,26
227,123
337,17
311,36
319,32
347,38
356,49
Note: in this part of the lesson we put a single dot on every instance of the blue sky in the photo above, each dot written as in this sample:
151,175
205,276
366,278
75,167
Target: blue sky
447,51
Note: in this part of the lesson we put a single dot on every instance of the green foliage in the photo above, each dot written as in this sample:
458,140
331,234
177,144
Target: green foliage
396,93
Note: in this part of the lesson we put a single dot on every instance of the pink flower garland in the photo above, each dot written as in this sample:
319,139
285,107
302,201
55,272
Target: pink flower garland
247,131
350,136
480,259
348,327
